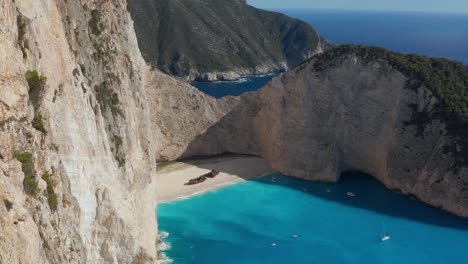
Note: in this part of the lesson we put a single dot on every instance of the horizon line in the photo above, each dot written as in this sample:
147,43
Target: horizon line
364,10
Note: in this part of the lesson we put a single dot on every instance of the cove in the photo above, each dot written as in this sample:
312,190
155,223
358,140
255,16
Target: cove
233,88
257,222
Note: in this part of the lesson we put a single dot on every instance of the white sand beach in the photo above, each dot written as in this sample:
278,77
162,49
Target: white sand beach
233,169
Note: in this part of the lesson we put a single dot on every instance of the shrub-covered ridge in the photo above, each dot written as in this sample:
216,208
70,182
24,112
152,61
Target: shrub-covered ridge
447,80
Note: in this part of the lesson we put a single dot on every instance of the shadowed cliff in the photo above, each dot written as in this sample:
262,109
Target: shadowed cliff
352,108
220,39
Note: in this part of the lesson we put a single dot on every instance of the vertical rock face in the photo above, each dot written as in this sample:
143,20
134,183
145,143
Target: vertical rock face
87,125
354,113
354,116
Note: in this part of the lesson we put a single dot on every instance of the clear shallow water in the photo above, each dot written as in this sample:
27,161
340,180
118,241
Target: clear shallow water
432,34
238,224
221,89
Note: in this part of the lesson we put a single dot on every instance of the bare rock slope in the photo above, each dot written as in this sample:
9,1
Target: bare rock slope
350,111
77,160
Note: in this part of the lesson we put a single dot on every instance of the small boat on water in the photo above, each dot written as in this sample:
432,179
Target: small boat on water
386,237
351,194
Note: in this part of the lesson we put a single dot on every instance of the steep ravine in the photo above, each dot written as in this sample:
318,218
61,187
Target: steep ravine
84,191
335,113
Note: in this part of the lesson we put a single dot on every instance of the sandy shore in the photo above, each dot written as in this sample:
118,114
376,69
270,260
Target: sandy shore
233,169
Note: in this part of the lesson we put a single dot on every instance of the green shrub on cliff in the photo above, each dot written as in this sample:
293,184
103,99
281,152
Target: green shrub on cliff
95,23
448,81
22,41
107,98
51,196
38,124
228,35
27,166
35,81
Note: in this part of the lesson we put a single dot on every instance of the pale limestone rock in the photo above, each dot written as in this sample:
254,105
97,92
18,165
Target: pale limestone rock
316,125
106,210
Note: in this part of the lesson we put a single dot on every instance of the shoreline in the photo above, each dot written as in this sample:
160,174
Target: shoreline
241,79
234,169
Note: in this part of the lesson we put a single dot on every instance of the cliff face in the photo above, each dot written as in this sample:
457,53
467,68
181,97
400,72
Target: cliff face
84,190
345,113
355,116
220,39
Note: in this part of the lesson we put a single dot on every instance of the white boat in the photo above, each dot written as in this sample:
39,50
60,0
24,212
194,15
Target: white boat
386,237
351,194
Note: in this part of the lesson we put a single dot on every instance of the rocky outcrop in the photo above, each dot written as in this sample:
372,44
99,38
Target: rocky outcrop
220,39
351,111
84,191
181,113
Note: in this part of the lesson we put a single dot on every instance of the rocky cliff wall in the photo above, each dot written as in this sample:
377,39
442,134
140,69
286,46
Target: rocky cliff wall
356,115
316,122
87,124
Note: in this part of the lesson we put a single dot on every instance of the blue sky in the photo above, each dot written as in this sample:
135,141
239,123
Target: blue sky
452,6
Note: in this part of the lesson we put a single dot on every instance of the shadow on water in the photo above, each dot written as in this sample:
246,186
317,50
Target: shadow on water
371,195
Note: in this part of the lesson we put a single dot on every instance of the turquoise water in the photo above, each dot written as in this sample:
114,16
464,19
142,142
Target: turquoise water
240,223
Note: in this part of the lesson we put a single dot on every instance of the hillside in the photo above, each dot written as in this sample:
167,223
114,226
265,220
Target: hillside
219,39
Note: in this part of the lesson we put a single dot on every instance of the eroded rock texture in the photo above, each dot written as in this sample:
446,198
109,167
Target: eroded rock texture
87,125
314,123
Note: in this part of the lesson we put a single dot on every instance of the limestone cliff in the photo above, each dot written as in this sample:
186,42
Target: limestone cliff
77,160
348,110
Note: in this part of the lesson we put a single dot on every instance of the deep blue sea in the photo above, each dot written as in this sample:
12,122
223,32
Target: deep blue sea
431,34
293,221
221,89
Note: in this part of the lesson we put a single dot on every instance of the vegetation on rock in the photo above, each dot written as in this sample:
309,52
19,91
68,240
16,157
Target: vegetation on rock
446,79
22,41
95,23
107,98
29,183
38,124
35,81
54,147
50,193
217,35
118,153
